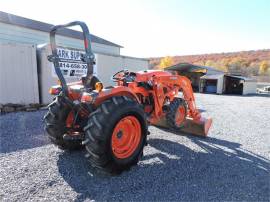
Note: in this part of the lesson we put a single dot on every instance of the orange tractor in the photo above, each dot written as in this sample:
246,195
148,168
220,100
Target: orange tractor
111,123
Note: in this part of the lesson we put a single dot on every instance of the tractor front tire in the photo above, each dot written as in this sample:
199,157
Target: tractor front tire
116,135
176,114
55,125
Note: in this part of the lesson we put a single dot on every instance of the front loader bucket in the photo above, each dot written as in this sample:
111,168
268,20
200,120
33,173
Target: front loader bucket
198,127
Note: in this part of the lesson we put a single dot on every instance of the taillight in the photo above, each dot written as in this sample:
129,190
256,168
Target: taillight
54,90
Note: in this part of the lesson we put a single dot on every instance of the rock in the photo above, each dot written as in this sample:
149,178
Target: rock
35,105
44,108
13,105
31,109
44,105
8,109
20,108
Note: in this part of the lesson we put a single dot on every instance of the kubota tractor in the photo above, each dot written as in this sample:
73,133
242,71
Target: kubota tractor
111,123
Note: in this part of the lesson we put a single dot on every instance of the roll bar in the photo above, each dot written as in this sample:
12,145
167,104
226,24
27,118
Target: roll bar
88,57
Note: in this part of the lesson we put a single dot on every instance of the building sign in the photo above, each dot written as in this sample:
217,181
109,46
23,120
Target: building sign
71,65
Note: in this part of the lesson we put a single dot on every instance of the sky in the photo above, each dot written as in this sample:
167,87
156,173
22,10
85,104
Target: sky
152,28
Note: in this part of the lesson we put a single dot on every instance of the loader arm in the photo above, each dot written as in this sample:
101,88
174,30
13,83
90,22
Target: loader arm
178,83
194,124
187,90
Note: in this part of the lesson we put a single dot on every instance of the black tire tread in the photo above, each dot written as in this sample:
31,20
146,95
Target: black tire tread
171,111
98,133
55,126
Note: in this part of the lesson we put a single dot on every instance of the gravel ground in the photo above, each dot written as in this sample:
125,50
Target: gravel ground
231,164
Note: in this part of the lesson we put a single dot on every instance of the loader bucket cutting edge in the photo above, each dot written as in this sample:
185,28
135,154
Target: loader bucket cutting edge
199,128
192,127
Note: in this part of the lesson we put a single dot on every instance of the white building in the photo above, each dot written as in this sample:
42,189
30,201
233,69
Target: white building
212,83
19,38
239,85
227,84
16,29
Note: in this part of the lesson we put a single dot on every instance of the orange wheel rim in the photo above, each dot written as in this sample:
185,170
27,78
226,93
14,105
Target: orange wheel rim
126,137
180,115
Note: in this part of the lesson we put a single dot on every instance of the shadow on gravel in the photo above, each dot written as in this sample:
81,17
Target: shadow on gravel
22,130
249,95
223,171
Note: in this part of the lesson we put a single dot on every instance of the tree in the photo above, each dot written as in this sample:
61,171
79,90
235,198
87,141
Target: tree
210,63
200,63
166,62
264,66
224,64
235,65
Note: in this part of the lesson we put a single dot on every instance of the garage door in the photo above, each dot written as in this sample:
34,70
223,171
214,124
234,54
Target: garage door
18,74
210,86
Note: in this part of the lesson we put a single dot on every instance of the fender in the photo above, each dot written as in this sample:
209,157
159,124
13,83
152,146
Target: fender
115,91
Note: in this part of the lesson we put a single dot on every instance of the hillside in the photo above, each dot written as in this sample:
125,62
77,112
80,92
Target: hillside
247,63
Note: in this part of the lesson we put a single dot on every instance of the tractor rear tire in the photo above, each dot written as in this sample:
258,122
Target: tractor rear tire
55,125
117,122
176,114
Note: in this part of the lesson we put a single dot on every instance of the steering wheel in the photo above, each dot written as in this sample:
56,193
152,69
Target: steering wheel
119,76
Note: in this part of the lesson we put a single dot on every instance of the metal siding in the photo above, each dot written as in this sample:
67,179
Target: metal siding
46,80
249,87
19,21
135,64
18,74
220,82
108,65
10,33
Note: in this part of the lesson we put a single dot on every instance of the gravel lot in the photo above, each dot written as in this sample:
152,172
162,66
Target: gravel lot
231,164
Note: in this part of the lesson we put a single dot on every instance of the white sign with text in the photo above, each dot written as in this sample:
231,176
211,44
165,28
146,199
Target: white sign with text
72,66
